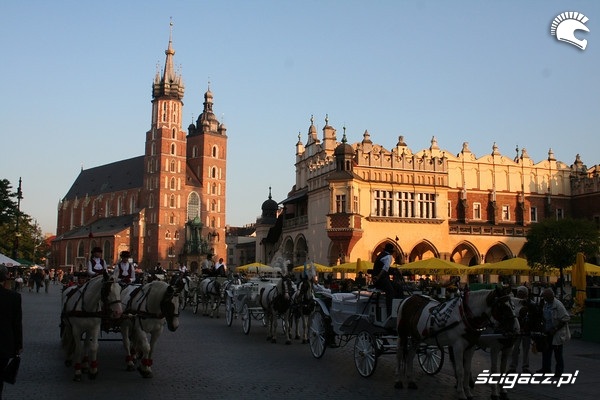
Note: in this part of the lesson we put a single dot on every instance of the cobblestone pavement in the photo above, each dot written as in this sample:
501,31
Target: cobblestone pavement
206,359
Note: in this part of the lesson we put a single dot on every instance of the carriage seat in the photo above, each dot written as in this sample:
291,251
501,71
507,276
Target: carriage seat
344,297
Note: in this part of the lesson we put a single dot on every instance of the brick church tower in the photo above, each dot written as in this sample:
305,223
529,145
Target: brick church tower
184,177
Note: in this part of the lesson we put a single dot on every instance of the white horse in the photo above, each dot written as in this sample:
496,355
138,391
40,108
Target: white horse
456,323
276,299
148,306
303,303
83,308
210,296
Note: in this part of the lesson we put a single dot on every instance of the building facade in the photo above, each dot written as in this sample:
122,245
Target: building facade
166,206
348,201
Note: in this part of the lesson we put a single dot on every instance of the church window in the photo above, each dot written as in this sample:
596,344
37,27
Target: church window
172,165
172,184
173,148
215,152
193,206
172,201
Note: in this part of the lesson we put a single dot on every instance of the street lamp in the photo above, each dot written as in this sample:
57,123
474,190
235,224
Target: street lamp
17,233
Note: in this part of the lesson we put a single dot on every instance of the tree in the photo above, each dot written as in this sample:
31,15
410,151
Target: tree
555,244
32,245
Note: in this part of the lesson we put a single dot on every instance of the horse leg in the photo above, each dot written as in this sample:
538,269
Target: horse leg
143,346
494,354
287,328
462,379
67,342
506,352
77,353
92,340
273,326
467,357
304,328
127,344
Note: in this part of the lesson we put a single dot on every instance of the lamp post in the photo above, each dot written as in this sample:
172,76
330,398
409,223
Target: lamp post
17,233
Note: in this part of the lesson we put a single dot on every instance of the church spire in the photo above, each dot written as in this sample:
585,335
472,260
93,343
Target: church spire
170,84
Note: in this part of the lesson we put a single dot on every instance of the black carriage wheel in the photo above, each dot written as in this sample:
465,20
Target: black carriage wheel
365,354
317,334
245,317
431,358
196,303
229,310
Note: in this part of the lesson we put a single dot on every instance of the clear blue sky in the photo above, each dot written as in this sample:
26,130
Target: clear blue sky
77,75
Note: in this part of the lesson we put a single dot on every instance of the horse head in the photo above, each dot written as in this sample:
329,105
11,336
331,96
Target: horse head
110,295
169,307
504,311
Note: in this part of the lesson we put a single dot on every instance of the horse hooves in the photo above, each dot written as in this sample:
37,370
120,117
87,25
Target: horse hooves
92,376
288,342
77,378
304,341
130,368
144,374
269,338
273,340
398,385
412,385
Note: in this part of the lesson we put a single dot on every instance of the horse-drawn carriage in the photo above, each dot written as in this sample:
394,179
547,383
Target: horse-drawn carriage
361,316
243,300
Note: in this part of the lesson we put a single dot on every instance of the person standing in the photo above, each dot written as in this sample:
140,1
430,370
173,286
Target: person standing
11,324
221,268
124,270
381,275
524,340
46,280
96,264
557,329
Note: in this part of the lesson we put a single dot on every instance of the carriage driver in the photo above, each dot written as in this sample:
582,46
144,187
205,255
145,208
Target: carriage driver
381,275
124,270
96,264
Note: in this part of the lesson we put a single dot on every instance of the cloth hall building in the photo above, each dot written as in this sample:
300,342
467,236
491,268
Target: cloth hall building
349,200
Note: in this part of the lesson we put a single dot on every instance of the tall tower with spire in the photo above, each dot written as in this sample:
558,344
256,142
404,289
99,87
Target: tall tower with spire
207,160
164,195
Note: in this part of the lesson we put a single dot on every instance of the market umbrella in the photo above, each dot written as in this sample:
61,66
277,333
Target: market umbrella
255,267
510,266
356,266
578,280
8,261
434,266
318,268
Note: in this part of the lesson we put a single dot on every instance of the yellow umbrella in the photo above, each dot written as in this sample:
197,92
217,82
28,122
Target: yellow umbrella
511,266
318,268
357,266
434,266
578,280
254,267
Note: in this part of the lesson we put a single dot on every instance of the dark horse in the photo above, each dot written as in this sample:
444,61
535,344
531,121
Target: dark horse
457,322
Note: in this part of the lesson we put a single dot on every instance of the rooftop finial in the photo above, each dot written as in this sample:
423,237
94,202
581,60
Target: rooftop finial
269,192
171,29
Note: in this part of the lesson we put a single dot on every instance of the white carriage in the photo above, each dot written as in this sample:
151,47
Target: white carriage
361,315
243,300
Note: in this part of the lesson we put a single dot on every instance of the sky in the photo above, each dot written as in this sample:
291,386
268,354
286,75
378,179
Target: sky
77,76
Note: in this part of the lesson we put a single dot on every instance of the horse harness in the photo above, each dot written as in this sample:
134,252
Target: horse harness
82,290
143,302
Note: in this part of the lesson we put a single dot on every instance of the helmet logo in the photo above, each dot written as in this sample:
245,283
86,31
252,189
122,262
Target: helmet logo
564,26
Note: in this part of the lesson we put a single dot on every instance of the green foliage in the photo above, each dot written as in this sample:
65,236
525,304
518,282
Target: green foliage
31,243
555,243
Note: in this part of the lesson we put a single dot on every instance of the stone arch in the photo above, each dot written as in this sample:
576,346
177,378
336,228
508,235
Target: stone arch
398,252
287,248
466,253
498,252
422,251
300,250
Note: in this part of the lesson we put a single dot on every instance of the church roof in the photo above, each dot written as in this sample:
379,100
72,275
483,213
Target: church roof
108,178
